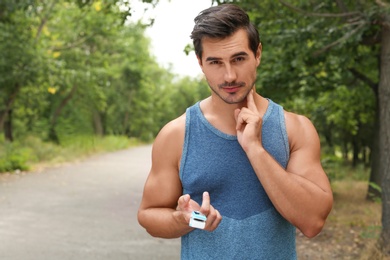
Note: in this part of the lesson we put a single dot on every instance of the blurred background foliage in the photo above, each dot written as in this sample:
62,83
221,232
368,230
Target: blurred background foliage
77,69
77,78
76,73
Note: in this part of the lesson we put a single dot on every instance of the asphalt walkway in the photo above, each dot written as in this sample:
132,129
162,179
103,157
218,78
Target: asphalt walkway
85,210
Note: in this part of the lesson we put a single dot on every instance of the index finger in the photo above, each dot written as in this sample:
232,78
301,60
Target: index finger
250,102
205,208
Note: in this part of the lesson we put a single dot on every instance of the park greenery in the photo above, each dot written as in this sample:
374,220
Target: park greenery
78,70
76,75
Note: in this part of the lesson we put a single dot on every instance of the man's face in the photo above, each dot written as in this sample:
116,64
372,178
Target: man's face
230,66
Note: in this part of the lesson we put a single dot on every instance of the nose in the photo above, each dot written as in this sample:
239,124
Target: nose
230,74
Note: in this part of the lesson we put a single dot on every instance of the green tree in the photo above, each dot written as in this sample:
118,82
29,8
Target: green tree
316,47
357,25
20,61
57,67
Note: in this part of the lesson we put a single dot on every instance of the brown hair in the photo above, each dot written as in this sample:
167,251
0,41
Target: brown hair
220,22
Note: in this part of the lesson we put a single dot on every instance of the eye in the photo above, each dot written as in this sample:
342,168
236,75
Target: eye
214,62
239,59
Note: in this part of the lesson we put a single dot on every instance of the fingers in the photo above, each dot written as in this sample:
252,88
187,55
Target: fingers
242,115
183,202
251,102
205,208
213,219
213,215
239,120
185,205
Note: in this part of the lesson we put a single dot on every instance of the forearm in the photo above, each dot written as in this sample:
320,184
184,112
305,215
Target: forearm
302,202
163,222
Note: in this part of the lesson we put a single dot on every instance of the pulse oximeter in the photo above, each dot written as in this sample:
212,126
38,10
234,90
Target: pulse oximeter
198,220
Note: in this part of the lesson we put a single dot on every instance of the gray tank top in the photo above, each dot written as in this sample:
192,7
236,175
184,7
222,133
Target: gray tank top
213,161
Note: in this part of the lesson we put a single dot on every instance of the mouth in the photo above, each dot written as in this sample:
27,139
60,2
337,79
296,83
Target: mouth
232,89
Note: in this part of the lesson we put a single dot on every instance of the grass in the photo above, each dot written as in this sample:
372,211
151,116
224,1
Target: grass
363,217
352,210
352,228
31,152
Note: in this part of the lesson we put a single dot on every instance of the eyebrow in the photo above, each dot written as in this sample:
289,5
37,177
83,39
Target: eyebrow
241,53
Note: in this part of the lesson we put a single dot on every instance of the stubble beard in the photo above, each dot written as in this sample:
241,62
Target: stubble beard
231,98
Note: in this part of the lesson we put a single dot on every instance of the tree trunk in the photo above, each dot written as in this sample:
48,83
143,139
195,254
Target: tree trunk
97,120
52,132
375,177
8,127
345,150
384,138
8,105
355,150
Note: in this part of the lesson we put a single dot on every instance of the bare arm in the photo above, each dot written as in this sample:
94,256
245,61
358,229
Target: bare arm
302,192
164,211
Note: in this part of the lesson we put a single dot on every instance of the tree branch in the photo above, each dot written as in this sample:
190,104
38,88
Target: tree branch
365,79
371,40
44,20
62,105
382,4
345,37
72,45
328,15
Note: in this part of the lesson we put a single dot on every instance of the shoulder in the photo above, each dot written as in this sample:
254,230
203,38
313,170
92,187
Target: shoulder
300,130
173,129
294,120
169,141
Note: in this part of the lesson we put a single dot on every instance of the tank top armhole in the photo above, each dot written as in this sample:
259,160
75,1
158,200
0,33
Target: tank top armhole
185,145
284,132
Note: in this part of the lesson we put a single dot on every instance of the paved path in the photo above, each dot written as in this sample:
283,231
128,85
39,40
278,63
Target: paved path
82,211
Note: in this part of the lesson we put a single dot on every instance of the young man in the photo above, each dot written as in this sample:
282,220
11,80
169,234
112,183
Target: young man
250,167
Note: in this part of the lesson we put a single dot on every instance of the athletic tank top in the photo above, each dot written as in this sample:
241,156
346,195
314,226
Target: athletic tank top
213,161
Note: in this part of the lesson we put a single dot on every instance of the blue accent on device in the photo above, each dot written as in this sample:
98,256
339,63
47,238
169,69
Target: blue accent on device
198,216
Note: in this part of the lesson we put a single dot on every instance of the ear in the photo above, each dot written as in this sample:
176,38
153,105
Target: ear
258,54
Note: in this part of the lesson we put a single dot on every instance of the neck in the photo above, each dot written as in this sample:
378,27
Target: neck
221,114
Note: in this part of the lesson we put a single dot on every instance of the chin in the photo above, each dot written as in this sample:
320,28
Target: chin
234,100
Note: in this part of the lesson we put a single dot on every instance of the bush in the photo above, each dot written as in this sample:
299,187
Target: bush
14,158
31,150
338,169
331,165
